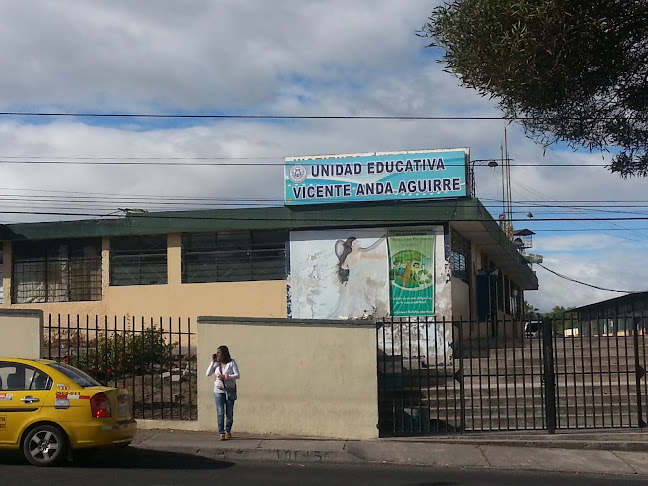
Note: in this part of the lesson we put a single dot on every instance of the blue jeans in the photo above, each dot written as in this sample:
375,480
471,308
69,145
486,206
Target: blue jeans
225,411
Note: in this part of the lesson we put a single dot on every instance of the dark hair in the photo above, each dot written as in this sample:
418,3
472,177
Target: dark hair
343,273
225,354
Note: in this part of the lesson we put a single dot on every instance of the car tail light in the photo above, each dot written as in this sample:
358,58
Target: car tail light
100,405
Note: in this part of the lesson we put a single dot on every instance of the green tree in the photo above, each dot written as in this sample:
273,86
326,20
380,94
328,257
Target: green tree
568,70
562,318
530,312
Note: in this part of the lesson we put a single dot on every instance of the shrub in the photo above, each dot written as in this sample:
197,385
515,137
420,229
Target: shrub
120,353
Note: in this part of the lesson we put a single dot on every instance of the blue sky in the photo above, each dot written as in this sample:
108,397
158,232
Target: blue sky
286,58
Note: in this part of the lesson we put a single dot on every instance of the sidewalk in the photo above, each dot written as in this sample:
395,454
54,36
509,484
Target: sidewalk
592,452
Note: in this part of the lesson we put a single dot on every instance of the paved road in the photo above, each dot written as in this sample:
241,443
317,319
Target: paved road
141,467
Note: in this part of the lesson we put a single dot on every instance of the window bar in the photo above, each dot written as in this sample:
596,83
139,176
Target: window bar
172,368
96,342
497,375
124,350
67,335
462,384
554,344
436,371
87,336
635,342
583,343
575,372
381,384
191,371
618,366
591,371
382,391
523,362
402,372
506,383
471,373
541,355
626,371
643,346
399,382
532,376
565,373
49,336
515,376
142,367
455,372
488,380
610,373
410,374
180,365
427,369
603,374
445,381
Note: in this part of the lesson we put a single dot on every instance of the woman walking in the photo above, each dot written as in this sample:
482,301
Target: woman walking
227,373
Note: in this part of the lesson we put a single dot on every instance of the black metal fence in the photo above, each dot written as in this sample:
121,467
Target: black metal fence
444,376
153,358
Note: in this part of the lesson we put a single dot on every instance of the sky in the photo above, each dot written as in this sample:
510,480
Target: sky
290,58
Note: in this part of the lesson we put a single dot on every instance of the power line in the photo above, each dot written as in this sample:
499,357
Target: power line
169,215
253,117
224,162
588,285
280,117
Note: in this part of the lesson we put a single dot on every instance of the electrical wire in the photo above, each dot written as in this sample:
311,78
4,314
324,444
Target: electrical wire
586,284
279,117
253,117
223,163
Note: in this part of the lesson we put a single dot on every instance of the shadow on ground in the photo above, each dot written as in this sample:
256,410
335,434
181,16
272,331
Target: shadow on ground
132,458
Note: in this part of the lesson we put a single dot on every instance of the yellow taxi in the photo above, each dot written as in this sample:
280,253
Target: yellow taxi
50,409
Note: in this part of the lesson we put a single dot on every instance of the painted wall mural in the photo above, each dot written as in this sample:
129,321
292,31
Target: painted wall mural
338,274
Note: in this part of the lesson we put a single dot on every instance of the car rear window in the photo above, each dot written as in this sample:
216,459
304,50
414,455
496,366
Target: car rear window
79,377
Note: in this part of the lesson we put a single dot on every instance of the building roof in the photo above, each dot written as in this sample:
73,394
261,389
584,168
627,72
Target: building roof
624,299
466,215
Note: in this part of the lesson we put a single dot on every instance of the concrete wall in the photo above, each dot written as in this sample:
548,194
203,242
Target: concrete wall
21,333
311,379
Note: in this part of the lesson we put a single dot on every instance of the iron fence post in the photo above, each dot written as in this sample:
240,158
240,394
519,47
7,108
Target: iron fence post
639,371
549,375
459,376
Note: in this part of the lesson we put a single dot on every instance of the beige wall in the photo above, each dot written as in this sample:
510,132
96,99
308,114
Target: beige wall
21,333
314,379
241,299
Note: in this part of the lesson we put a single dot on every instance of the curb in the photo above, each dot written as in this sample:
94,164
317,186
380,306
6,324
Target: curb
261,455
625,446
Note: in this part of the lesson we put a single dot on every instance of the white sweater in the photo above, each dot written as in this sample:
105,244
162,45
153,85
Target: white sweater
230,370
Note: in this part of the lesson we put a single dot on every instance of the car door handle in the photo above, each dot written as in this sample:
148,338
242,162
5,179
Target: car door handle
29,399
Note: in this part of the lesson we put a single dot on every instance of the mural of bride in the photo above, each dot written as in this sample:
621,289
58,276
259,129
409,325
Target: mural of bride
354,270
338,274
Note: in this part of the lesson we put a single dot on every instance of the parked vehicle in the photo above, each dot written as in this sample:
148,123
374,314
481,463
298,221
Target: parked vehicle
534,329
50,410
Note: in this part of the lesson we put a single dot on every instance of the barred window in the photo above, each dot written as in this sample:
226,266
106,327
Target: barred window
138,260
233,256
459,256
56,271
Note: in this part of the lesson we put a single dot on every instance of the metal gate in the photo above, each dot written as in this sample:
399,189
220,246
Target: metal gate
445,376
153,358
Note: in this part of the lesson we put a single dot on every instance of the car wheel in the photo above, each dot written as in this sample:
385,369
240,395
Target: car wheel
44,445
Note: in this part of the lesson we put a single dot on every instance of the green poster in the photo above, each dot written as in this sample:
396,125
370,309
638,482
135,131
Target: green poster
411,275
